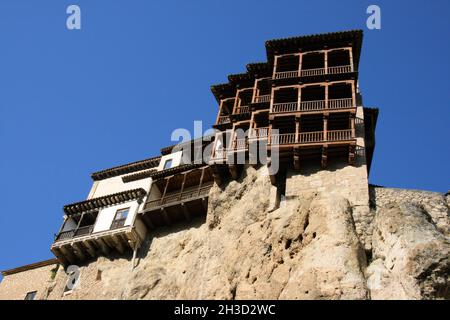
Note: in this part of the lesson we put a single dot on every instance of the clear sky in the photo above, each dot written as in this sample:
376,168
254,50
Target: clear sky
74,102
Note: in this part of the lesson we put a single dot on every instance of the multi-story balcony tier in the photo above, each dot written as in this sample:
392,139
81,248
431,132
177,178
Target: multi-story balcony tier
179,193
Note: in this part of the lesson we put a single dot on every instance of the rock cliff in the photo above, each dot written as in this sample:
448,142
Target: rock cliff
307,247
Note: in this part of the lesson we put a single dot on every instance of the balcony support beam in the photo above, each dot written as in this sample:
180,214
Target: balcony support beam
89,248
297,159
351,154
104,247
61,257
166,216
68,254
324,158
186,212
78,251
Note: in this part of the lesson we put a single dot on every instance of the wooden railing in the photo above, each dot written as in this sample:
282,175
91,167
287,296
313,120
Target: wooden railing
284,107
259,133
312,105
312,137
242,110
119,223
339,135
263,98
240,143
223,120
312,72
339,69
190,193
220,154
283,138
340,103
82,231
286,74
308,137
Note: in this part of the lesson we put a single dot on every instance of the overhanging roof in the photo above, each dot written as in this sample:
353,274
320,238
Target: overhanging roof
126,168
100,202
30,266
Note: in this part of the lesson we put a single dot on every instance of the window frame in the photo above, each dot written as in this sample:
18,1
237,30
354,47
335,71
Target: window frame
31,294
167,161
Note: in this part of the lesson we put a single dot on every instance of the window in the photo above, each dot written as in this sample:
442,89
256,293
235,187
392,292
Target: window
122,214
31,295
167,164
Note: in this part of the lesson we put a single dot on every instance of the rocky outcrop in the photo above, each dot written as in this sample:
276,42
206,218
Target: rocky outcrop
307,248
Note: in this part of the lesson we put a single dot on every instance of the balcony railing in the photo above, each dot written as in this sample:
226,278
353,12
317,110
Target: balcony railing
339,69
259,133
286,74
240,143
284,107
313,72
340,103
223,120
82,231
186,195
263,98
312,137
312,105
283,138
242,110
219,154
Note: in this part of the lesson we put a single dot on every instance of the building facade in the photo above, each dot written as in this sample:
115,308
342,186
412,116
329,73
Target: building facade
302,107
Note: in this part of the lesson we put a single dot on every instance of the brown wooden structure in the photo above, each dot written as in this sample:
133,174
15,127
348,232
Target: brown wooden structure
303,100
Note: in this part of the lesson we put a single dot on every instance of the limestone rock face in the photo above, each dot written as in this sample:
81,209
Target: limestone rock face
308,247
411,257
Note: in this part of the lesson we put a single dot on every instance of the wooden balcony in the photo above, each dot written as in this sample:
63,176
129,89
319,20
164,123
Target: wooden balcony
312,72
262,99
259,133
311,138
242,110
183,196
223,120
74,246
313,106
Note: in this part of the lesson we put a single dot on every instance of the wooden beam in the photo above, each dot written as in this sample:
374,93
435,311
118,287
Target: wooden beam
324,159
166,216
117,244
78,251
60,256
201,180
104,248
234,171
351,154
68,254
297,159
186,212
89,248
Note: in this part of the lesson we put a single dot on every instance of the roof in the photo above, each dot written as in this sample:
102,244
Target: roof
126,168
274,47
175,170
30,266
104,201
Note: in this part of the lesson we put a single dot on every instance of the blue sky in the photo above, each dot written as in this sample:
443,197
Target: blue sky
74,102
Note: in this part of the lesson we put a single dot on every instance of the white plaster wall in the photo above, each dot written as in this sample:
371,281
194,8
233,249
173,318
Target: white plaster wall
106,215
115,184
176,158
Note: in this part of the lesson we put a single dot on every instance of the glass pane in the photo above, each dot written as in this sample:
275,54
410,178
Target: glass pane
168,164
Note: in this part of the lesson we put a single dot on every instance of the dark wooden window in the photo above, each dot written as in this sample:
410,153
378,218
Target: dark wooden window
120,217
31,295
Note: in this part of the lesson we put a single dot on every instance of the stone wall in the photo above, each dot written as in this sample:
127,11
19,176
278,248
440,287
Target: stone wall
434,203
16,286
